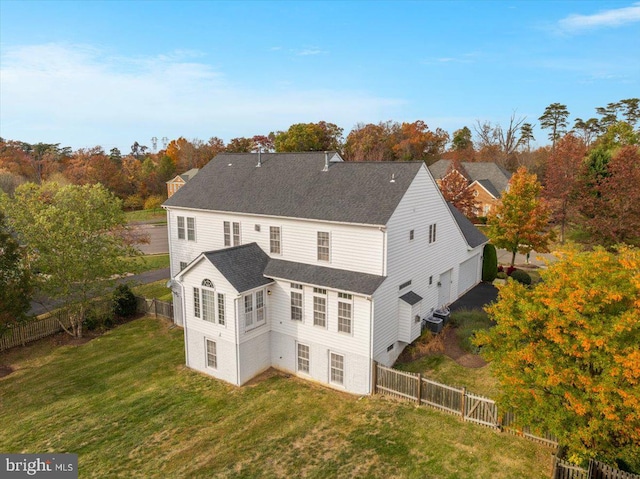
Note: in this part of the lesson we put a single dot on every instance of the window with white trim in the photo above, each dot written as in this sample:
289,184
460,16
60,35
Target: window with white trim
183,265
227,233
236,234
191,229
274,240
248,310
196,302
181,234
296,305
208,301
320,311
344,317
432,233
303,358
259,307
221,319
337,368
324,246
212,353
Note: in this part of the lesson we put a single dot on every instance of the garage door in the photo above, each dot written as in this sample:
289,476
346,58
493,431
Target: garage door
468,274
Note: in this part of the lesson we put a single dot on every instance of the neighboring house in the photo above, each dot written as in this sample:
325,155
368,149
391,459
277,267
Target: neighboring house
312,265
179,181
486,179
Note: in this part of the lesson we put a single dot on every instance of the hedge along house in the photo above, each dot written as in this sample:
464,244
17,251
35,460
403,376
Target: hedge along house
312,265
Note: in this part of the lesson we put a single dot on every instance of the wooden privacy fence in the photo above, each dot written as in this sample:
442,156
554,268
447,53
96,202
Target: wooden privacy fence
41,328
458,401
597,470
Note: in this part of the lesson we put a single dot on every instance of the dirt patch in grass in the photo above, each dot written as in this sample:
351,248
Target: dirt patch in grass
454,351
5,370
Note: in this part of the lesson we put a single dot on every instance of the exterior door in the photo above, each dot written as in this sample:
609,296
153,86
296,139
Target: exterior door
444,285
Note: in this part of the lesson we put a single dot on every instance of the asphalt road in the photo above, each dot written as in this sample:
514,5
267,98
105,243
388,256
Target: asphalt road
158,240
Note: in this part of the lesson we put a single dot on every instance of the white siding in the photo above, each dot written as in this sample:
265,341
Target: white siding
353,247
226,370
416,260
470,271
255,355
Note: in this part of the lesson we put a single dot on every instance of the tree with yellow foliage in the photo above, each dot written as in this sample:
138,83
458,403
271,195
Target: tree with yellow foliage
567,353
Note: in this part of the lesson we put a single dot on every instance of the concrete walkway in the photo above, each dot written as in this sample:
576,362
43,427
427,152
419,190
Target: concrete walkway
41,307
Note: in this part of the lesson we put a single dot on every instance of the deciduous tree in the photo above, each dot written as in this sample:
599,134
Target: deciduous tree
455,188
520,222
77,237
321,136
16,285
566,352
562,181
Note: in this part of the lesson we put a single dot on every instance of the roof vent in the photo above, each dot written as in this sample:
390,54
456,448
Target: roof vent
259,158
326,161
393,178
230,164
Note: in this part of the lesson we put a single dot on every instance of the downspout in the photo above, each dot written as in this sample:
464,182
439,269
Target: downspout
184,323
237,315
372,365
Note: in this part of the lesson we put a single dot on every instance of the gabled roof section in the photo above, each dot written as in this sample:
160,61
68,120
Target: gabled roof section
243,266
487,172
187,175
487,185
471,234
295,185
411,298
324,277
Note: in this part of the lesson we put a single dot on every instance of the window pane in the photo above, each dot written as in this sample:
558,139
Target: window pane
248,310
212,354
344,317
259,306
221,308
323,246
337,368
320,311
180,227
274,235
196,302
208,305
236,234
303,358
227,233
191,229
296,306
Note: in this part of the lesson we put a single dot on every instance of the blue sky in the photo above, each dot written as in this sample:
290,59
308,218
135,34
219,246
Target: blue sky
86,73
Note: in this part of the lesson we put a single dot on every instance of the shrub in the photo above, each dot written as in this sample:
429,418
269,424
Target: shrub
153,202
500,269
489,263
124,302
521,276
510,270
501,275
133,202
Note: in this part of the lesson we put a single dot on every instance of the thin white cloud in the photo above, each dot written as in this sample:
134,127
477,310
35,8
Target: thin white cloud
465,58
80,96
309,51
576,23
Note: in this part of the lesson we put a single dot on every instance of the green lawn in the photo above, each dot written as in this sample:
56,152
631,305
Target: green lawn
127,405
147,215
140,264
157,290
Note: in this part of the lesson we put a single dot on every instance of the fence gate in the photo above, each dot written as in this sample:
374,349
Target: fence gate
481,410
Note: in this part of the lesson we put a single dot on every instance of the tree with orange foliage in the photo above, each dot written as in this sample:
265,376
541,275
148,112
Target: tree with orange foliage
563,177
455,189
566,354
520,222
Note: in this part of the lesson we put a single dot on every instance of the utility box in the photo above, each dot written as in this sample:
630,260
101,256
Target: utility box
434,324
443,314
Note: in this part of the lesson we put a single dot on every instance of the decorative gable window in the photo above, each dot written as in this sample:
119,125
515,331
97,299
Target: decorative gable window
324,246
432,233
274,239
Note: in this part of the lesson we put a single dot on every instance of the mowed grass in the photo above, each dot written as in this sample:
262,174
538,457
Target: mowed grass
156,214
157,290
150,262
127,405
445,370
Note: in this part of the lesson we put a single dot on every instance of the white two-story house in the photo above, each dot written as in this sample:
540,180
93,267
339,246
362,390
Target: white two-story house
312,265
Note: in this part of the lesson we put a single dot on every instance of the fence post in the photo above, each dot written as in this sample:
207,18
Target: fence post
464,401
419,389
155,307
374,377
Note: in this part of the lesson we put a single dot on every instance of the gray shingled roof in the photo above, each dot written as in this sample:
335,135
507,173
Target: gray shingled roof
479,171
487,185
187,175
411,298
324,277
243,266
294,185
472,235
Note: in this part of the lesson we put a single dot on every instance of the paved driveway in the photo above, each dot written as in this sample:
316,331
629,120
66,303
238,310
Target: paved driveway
158,238
477,297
